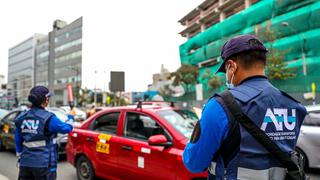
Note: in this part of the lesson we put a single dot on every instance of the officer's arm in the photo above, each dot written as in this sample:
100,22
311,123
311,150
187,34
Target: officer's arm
58,126
207,137
18,141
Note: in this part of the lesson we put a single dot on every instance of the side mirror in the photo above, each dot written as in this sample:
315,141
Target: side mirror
159,140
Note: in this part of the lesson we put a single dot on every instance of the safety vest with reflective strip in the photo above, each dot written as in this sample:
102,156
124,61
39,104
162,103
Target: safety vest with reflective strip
39,146
279,115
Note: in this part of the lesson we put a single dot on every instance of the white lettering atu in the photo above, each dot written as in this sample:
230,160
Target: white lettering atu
280,113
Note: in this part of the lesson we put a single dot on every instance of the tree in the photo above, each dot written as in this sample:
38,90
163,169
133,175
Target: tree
84,97
211,79
276,67
186,75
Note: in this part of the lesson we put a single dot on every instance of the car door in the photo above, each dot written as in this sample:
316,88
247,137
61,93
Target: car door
139,160
309,138
8,129
101,140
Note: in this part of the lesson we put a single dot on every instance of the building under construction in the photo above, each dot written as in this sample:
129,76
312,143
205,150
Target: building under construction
294,26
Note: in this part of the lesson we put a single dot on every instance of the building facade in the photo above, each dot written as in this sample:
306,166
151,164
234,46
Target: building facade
211,12
289,26
59,59
21,68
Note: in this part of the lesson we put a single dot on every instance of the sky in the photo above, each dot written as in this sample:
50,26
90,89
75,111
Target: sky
132,36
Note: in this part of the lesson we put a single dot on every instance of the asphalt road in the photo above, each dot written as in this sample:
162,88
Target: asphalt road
8,169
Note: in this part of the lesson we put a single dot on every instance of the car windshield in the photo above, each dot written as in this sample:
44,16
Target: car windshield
182,120
3,113
62,116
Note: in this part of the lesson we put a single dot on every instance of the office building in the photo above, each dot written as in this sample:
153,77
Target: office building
21,68
58,60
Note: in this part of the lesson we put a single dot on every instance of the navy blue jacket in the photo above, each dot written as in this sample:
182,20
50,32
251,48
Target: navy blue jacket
279,115
35,134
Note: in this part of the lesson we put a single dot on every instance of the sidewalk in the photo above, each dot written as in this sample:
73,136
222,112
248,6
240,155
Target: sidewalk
2,177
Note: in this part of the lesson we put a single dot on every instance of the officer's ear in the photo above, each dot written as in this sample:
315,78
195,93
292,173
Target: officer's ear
231,65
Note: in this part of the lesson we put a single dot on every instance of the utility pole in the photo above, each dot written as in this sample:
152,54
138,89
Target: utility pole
95,87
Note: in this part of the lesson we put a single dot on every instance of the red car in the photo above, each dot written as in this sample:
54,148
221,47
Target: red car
133,142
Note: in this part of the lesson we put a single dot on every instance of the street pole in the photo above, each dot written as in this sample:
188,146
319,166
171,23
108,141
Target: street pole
304,62
95,87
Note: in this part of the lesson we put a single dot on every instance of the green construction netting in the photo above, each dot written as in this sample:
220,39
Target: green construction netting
298,21
312,42
314,17
283,6
213,49
297,28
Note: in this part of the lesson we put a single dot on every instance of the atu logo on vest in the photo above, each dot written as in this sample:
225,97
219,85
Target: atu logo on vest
279,117
30,126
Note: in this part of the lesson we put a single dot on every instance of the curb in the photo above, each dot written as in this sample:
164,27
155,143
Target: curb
2,177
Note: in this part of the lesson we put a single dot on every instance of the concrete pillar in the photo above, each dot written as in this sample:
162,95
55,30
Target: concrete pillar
51,65
247,3
221,2
222,16
203,27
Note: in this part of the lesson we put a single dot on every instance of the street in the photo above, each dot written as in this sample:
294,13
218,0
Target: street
8,168
66,171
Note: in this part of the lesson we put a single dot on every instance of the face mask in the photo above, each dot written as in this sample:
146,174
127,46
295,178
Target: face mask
229,84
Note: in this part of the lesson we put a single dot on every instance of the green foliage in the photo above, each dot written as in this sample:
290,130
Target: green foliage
212,80
84,97
165,90
186,75
276,67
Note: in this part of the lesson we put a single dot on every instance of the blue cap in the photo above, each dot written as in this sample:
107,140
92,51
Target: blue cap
38,94
240,44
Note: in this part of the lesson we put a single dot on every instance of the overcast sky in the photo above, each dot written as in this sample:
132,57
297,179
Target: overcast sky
132,36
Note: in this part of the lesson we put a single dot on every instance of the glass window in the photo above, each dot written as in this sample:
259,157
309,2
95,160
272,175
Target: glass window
141,126
68,45
180,121
11,117
107,123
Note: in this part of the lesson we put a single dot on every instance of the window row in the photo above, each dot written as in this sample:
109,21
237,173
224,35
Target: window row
68,80
68,56
67,34
68,45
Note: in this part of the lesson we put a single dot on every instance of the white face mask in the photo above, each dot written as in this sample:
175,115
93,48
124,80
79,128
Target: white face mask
229,84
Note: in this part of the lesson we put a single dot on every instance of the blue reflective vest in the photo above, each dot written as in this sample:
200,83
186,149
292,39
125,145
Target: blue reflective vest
39,146
276,113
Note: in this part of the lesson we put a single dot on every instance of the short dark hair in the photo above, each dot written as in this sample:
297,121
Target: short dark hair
250,58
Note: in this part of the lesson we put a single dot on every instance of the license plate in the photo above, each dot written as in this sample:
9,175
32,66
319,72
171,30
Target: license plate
5,128
103,148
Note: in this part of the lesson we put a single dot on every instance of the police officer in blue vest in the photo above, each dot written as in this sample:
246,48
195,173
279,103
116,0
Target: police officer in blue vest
36,130
228,151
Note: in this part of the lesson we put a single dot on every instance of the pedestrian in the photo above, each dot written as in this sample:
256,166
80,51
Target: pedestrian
72,110
91,111
35,133
225,148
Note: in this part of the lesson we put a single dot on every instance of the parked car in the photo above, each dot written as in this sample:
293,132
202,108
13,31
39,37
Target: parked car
7,127
132,142
309,138
3,112
80,115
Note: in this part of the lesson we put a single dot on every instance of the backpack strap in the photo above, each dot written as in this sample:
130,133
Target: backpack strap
257,133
